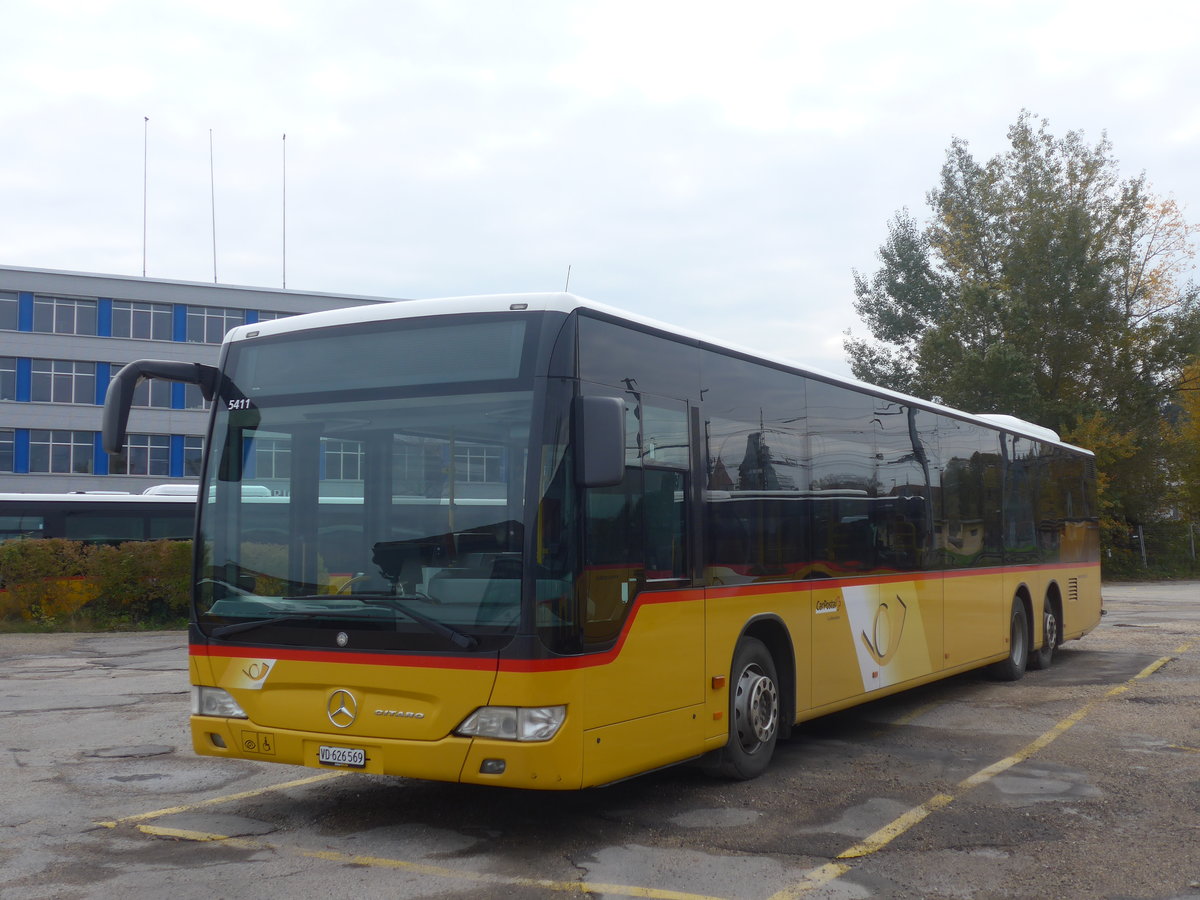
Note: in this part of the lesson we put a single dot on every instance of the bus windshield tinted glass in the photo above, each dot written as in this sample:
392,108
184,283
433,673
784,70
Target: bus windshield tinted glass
391,515
384,357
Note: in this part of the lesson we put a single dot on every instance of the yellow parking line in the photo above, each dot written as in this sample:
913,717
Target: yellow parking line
215,801
875,842
817,878
567,887
201,837
895,828
380,862
814,879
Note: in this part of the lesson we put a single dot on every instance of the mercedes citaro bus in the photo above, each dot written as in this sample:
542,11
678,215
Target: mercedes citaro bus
534,541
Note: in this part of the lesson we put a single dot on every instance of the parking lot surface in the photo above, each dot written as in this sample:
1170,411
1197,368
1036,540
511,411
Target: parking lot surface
1079,781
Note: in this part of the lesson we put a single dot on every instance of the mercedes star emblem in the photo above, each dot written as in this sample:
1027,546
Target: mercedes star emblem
342,708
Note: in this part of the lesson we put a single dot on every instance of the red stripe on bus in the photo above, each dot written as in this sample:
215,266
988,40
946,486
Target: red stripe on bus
606,657
396,658
386,658
603,657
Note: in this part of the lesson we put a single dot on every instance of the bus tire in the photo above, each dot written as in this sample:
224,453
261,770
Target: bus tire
1044,655
754,710
1013,666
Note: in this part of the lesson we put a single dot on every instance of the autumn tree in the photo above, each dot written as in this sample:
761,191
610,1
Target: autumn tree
1188,436
1046,286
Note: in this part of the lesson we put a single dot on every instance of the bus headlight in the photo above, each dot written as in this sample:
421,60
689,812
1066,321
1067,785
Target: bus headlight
514,723
212,701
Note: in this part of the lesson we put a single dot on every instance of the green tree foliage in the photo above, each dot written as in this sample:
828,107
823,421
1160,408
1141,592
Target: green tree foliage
1044,286
1189,441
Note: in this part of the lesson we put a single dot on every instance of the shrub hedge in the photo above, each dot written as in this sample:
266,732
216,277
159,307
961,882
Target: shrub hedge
59,584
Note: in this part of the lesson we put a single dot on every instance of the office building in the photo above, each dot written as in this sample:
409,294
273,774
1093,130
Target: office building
63,335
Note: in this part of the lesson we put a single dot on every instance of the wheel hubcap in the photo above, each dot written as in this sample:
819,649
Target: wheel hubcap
755,708
1050,630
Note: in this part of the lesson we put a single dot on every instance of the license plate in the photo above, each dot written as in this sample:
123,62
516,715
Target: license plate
342,756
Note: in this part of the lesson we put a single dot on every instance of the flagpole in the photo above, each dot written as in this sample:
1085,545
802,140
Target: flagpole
145,183
212,183
285,211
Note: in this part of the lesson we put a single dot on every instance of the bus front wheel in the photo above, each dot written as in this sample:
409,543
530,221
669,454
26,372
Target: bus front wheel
1013,667
754,710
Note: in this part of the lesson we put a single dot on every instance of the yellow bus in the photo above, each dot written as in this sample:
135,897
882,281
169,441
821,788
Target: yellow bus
534,541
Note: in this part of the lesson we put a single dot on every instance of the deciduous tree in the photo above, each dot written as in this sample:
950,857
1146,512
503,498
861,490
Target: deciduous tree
1046,286
1189,441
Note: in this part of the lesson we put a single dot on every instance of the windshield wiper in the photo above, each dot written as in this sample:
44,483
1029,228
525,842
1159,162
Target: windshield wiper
453,635
232,588
297,615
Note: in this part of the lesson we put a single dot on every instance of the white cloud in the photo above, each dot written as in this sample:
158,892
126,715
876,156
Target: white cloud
722,167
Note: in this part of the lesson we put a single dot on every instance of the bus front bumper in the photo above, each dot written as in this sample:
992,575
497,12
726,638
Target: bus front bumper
543,765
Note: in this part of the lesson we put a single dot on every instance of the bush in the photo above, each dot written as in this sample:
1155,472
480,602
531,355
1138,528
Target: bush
54,583
43,580
143,581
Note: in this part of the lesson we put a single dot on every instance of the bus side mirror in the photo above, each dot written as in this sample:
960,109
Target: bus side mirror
599,441
119,396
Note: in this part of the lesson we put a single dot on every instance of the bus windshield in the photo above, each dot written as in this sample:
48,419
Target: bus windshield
374,500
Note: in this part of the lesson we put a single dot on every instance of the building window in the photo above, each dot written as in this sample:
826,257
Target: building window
141,321
193,399
272,458
343,460
193,452
478,464
60,452
8,378
63,381
145,454
152,393
8,449
265,315
208,324
64,315
8,310
409,465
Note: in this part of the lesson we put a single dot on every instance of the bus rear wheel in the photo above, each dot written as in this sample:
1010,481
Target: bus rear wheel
1013,667
1042,657
754,710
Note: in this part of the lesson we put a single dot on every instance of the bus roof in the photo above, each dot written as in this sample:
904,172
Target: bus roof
97,497
568,303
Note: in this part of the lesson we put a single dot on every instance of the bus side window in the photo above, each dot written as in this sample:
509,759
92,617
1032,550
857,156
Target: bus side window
111,528
635,538
665,525
21,525
171,526
613,566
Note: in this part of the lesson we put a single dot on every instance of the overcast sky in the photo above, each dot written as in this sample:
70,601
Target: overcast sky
723,167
